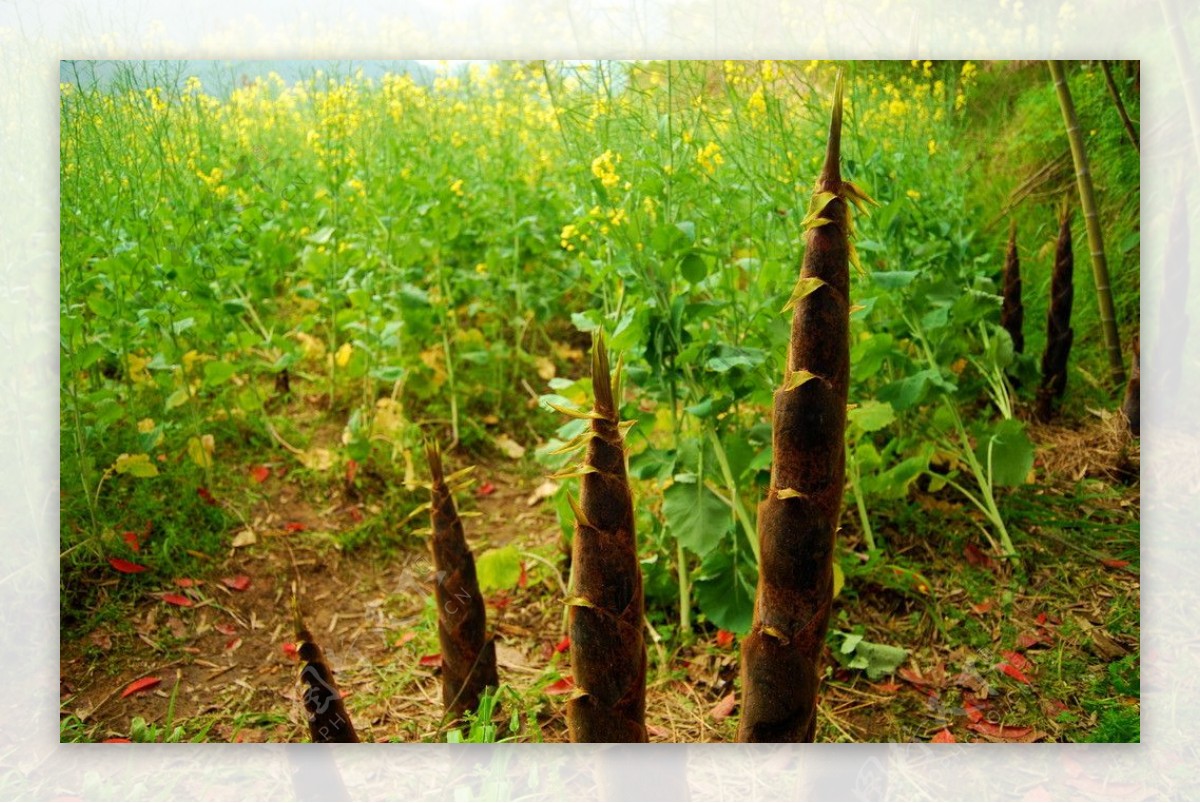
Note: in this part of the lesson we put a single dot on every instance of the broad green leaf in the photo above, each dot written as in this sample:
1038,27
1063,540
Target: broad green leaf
893,279
321,235
912,390
199,452
876,660
693,267
895,482
695,516
1012,453
872,415
730,357
217,372
177,398
1000,348
135,465
725,591
498,569
585,322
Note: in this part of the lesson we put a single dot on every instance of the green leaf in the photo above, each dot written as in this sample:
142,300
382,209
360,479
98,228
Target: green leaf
895,482
585,322
893,279
498,569
876,659
693,267
872,415
218,372
695,516
176,399
725,590
912,390
1000,348
321,235
135,465
1012,453
730,357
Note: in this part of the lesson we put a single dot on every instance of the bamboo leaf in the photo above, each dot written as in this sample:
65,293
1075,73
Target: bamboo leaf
577,471
816,206
578,511
795,379
806,286
567,411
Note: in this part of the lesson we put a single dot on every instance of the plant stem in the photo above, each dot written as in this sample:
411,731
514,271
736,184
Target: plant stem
734,498
1087,199
859,501
1120,104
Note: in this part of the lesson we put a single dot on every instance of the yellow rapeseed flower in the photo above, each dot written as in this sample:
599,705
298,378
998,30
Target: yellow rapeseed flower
710,158
916,196
604,168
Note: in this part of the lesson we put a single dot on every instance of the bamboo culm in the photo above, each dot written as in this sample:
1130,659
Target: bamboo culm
797,522
605,607
468,650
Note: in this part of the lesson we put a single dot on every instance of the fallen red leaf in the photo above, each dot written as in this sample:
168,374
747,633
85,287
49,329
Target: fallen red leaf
724,639
434,660
1032,638
293,527
563,645
1113,563
1007,732
1017,660
355,514
116,740
1052,708
943,736
125,566
204,494
984,606
225,629
972,711
259,473
886,688
523,579
1014,673
487,489
176,599
232,644
913,676
291,650
187,582
1041,618
500,601
131,538
561,686
724,708
239,583
351,470
140,685
657,732
977,557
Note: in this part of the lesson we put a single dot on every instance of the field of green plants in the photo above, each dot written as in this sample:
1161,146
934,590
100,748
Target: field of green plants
275,291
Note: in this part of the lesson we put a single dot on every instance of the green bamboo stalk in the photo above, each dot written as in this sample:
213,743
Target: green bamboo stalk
1087,200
